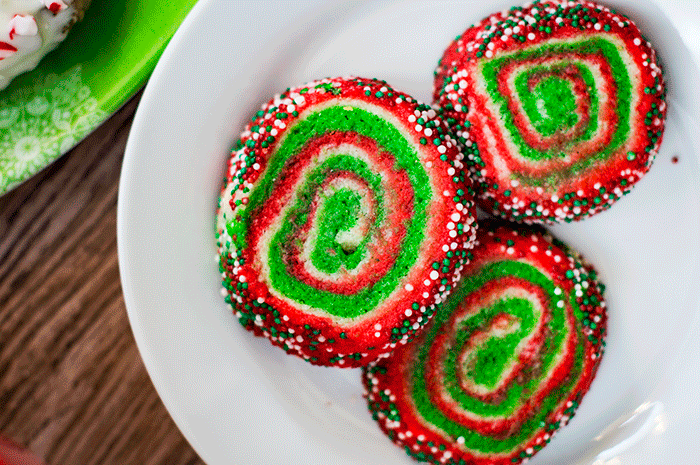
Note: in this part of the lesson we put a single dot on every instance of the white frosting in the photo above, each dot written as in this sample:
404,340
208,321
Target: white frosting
29,29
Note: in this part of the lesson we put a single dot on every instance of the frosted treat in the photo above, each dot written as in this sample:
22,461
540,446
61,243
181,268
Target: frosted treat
345,218
559,107
505,362
29,29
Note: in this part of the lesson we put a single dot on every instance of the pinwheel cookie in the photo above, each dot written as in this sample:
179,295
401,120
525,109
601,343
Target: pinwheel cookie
559,106
505,362
345,218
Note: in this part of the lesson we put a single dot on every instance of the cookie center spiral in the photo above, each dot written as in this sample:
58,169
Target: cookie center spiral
340,212
563,105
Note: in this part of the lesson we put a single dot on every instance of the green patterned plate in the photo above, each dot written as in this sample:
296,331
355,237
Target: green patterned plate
105,59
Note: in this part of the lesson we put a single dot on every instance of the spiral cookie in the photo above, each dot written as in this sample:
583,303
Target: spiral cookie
559,106
346,217
505,362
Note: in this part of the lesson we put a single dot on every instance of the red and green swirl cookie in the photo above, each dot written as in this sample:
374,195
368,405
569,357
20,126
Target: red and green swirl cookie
344,220
558,105
505,362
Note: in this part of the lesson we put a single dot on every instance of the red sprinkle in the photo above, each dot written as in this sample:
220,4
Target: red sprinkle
54,7
4,46
13,31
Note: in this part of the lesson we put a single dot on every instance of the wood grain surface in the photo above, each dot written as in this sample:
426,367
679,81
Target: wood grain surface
73,387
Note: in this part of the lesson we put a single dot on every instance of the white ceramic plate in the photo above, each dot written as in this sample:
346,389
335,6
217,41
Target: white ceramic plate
239,400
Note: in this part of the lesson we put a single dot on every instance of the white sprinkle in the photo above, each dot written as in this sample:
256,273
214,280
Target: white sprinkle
378,326
408,312
434,275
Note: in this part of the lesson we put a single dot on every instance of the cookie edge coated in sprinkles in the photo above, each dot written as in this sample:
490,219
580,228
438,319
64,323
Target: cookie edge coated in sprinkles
324,344
406,429
584,196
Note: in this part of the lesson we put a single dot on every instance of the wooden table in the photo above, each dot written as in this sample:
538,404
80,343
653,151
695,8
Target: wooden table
73,387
